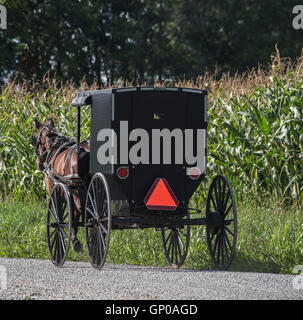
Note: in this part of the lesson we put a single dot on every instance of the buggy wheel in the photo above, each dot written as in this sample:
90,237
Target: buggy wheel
221,226
58,224
175,243
98,220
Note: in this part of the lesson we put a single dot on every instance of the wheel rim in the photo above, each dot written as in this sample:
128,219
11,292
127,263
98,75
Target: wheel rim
98,220
221,224
175,243
58,225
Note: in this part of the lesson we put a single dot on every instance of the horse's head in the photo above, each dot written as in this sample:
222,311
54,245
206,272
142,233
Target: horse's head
42,141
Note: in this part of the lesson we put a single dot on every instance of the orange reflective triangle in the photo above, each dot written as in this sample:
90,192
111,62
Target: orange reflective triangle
161,196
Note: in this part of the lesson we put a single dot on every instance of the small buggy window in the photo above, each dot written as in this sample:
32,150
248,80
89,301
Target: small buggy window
159,116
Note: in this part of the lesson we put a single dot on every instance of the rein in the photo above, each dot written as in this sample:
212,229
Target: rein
60,143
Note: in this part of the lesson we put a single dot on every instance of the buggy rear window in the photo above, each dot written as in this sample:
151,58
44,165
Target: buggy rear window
159,116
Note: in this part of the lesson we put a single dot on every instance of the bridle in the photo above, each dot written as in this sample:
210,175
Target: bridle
56,142
43,156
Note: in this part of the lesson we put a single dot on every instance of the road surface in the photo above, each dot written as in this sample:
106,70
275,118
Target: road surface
41,280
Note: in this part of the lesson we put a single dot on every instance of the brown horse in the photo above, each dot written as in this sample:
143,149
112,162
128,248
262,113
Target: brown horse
57,156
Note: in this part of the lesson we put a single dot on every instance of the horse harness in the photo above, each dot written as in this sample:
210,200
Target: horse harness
60,143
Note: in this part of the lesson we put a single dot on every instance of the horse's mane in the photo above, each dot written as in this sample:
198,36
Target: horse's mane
56,139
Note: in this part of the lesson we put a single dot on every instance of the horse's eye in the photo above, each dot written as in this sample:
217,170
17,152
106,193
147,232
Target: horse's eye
50,135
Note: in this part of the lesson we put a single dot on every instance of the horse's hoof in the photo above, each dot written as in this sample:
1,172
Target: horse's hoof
77,245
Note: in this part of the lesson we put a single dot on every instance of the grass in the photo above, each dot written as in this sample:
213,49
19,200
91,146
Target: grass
270,239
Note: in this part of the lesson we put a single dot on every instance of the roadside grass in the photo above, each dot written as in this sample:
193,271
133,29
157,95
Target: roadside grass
270,239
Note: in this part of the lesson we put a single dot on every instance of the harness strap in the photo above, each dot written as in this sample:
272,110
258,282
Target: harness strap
72,179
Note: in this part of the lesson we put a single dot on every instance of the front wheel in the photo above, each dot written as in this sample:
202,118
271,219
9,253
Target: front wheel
221,226
98,220
58,224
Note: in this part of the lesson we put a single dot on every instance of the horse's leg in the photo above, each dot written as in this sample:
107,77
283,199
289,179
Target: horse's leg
77,211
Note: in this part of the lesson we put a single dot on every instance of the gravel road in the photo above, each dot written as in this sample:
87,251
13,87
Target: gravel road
40,280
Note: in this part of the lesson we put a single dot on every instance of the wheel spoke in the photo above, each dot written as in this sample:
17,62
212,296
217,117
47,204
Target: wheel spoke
89,239
103,212
56,203
182,232
59,205
63,233
105,219
212,236
176,249
55,211
219,248
64,216
62,242
51,212
179,248
102,202
222,248
91,213
56,248
51,235
54,240
219,193
103,228
96,251
94,197
224,190
181,240
91,201
216,196
64,206
229,231
170,243
226,200
102,240
168,237
173,248
213,201
227,211
227,240
100,244
225,248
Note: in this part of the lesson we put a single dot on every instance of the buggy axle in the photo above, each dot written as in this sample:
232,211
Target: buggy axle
152,222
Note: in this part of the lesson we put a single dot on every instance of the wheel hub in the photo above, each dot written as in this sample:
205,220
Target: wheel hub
92,222
54,225
215,222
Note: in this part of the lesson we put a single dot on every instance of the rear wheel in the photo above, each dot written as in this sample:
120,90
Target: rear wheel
175,243
221,226
58,224
98,220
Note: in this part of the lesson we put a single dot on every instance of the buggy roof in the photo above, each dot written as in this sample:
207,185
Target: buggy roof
84,97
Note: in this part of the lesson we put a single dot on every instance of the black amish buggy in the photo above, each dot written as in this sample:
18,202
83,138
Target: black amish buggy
147,158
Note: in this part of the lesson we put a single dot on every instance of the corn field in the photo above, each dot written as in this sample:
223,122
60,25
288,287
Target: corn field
255,133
